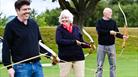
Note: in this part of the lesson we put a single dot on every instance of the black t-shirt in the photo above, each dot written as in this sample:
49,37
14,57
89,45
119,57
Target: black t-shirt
103,28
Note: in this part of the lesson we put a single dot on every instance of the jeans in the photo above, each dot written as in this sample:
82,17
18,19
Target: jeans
111,53
28,70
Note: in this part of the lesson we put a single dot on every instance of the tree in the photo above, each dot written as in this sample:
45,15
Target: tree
48,17
33,14
2,20
86,12
51,16
81,9
123,1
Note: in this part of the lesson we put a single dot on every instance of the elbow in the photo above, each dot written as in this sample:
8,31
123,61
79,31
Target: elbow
58,42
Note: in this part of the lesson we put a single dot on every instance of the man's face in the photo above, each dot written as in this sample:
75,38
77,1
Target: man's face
108,14
24,12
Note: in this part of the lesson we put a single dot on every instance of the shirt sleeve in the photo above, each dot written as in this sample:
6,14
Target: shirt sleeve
84,43
7,43
118,35
42,50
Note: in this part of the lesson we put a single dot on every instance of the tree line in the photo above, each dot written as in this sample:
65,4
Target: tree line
50,17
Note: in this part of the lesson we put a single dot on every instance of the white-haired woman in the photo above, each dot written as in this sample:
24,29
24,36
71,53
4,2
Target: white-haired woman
69,40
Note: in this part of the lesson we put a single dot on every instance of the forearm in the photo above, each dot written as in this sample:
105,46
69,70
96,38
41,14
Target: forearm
65,42
119,35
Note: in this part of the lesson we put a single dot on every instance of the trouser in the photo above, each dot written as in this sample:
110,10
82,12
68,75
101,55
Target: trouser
28,70
111,53
77,66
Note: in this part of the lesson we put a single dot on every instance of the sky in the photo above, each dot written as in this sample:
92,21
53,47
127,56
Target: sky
7,6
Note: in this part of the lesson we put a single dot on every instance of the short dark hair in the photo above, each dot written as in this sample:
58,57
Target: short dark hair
19,3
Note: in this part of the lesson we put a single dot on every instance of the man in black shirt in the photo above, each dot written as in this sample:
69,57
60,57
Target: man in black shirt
107,31
21,38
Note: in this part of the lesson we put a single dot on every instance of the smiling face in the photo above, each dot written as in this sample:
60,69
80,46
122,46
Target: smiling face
65,20
24,12
66,17
107,13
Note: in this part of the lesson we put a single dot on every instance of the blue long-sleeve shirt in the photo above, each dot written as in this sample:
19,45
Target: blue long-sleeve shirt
103,28
68,50
20,41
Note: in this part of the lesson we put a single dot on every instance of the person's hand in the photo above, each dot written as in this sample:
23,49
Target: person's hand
78,42
112,32
125,37
55,60
85,45
11,72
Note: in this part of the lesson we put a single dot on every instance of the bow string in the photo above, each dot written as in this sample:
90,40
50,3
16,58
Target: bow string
125,30
93,47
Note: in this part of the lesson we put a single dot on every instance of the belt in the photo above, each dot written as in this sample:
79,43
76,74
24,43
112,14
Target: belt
31,61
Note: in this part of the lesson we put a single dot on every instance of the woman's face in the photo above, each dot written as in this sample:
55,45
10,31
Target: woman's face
65,19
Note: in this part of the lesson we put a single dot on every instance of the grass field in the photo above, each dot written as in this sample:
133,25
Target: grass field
127,64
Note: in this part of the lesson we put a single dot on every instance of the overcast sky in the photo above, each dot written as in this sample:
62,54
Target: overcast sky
7,6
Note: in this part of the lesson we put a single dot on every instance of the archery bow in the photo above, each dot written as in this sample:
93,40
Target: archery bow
23,61
125,29
93,47
54,57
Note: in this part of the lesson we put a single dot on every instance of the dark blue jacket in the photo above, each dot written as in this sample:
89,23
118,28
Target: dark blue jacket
68,50
20,41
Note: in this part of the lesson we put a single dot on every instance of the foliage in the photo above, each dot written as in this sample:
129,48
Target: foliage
131,14
81,9
117,15
2,20
33,14
52,16
97,14
82,16
41,20
123,1
49,17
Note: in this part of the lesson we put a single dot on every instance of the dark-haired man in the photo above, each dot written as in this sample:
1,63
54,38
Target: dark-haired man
21,38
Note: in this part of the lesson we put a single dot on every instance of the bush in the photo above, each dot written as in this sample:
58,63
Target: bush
130,13
130,10
49,17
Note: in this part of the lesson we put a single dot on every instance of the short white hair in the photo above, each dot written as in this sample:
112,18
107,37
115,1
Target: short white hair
66,13
107,9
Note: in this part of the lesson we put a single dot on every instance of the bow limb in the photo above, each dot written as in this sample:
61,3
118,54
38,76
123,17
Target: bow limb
55,59
122,13
54,56
125,28
125,25
93,47
23,61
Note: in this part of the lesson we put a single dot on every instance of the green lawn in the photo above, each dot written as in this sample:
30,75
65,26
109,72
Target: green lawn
127,64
